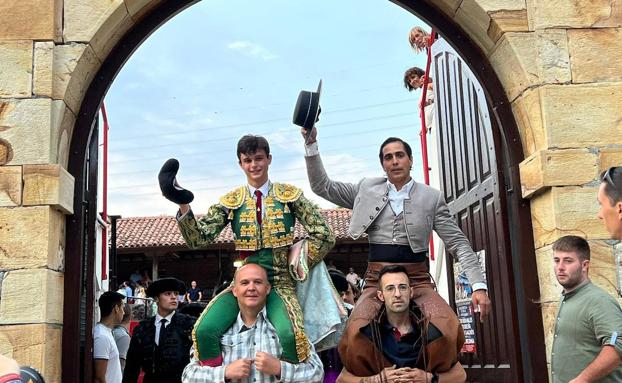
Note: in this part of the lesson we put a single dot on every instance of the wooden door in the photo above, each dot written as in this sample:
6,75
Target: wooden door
471,182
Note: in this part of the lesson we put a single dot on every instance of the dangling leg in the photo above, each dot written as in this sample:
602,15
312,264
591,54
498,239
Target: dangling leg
218,316
285,314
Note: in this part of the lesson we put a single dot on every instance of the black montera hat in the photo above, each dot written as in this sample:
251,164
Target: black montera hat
165,284
339,280
307,108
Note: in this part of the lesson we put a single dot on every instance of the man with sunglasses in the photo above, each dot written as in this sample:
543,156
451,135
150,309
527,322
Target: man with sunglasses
610,201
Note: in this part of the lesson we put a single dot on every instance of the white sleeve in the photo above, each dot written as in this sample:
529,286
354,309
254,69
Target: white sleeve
101,348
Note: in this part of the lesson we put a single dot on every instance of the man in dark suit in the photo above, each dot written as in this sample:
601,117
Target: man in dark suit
161,345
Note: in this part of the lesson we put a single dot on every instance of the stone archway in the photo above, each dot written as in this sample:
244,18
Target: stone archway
57,59
112,64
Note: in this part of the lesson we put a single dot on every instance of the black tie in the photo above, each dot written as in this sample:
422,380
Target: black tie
162,332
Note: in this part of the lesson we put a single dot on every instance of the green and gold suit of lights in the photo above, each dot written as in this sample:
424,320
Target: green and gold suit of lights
268,246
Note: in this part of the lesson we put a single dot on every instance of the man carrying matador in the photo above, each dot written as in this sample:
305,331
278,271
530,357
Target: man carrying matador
262,215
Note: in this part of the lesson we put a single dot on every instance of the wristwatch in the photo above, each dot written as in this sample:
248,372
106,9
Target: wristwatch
434,378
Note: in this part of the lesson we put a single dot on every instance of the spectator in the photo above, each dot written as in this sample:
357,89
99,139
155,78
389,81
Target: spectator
121,290
140,294
128,289
194,294
414,79
135,277
353,277
252,344
145,280
343,288
418,39
161,344
105,352
121,334
586,345
610,201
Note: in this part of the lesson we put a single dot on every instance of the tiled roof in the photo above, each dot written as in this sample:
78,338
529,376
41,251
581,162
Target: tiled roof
162,231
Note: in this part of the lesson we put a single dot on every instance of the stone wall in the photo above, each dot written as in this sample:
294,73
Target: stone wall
557,60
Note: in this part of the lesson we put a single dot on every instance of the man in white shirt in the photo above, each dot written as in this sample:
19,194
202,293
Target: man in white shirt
251,348
105,352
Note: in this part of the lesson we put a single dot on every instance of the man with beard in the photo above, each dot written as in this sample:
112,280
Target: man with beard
400,336
587,343
160,345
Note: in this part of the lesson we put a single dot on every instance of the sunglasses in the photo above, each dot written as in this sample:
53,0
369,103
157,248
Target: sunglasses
608,176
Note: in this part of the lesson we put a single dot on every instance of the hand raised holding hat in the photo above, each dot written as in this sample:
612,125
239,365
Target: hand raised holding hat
169,186
309,137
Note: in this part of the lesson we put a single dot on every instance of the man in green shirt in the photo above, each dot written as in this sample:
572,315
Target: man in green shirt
587,340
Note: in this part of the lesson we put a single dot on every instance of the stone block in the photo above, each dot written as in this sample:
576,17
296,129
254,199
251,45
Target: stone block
609,157
547,168
582,115
10,185
43,78
16,68
139,8
525,60
603,267
48,185
475,21
63,121
31,19
117,23
37,345
507,21
449,7
83,18
549,287
74,67
549,316
528,113
573,14
31,237
16,306
563,211
595,54
25,131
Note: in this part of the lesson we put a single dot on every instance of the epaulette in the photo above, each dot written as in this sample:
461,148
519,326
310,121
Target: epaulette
234,199
285,193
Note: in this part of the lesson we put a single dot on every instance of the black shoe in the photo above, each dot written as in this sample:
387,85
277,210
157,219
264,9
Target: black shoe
169,186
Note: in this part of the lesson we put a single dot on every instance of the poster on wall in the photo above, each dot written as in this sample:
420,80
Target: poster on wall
464,309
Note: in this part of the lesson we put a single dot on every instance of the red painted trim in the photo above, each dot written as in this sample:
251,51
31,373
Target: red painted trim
424,131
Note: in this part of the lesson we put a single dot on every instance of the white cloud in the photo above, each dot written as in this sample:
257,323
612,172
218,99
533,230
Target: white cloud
251,49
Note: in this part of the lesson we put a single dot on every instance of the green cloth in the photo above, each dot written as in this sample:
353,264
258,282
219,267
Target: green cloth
588,319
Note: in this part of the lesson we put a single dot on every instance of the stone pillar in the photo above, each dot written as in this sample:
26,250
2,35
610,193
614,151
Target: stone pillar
35,190
565,92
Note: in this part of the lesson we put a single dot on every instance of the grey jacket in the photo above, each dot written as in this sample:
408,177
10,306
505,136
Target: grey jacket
425,210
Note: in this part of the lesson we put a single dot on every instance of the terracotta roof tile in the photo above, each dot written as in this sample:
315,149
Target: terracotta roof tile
162,231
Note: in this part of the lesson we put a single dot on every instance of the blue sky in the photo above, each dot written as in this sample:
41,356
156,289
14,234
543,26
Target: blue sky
222,69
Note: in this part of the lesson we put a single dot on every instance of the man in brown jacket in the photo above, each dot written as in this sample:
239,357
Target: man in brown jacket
400,341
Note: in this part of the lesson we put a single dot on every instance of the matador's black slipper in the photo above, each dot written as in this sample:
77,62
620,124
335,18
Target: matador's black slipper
169,186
